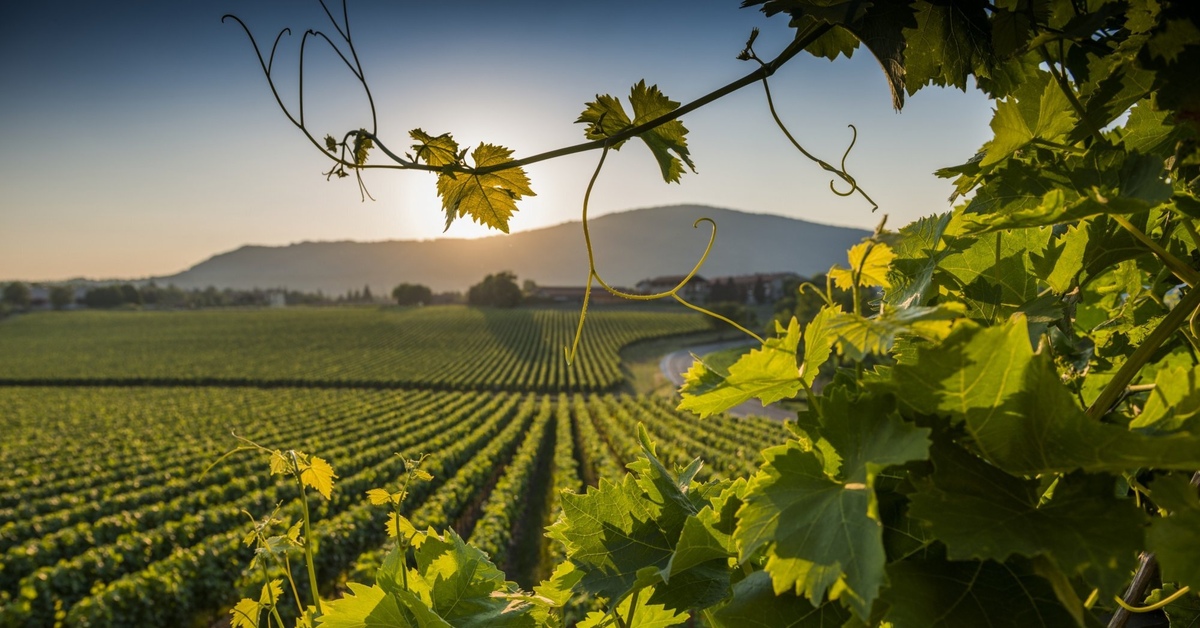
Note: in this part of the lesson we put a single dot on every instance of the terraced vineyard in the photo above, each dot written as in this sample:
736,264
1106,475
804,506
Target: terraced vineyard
448,348
107,517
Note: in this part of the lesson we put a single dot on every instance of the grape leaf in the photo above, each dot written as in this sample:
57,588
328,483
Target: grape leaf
818,343
1017,411
869,261
363,607
942,594
640,533
980,512
1175,539
769,373
490,199
755,605
437,151
947,43
645,615
1174,403
1038,109
462,587
860,336
918,252
800,514
316,473
606,117
994,275
815,509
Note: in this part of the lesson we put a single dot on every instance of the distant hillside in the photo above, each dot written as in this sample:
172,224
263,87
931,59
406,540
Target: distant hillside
629,246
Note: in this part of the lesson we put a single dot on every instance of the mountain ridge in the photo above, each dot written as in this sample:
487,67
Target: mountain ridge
628,246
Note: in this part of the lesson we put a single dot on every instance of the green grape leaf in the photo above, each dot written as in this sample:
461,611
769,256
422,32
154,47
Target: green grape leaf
645,615
818,343
606,117
802,516
947,43
859,336
755,605
1037,110
245,614
869,262
363,607
462,587
943,594
436,151
489,199
1017,411
769,373
981,512
1175,539
819,530
918,252
1174,404
994,275
653,529
868,435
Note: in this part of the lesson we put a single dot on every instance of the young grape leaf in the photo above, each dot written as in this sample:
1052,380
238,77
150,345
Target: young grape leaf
756,605
769,373
645,615
316,473
606,117
980,512
918,252
363,607
869,263
1037,110
859,336
945,594
490,199
436,151
818,343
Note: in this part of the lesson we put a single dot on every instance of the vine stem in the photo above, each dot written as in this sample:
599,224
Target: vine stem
1176,265
308,540
1115,389
765,70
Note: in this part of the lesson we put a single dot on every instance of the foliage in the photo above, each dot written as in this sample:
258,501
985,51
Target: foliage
17,294
61,296
412,294
498,290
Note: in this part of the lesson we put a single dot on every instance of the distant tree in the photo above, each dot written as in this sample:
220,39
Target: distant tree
103,297
735,311
18,294
498,290
528,287
61,296
412,294
130,294
366,294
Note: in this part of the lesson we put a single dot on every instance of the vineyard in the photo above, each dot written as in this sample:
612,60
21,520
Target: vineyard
447,348
107,517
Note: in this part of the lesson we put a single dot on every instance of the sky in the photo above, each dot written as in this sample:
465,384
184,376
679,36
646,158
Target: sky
139,138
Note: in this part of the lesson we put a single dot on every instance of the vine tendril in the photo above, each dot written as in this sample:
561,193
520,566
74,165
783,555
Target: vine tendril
594,274
1152,607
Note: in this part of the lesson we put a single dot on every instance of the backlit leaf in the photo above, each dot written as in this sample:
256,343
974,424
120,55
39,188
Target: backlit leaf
489,199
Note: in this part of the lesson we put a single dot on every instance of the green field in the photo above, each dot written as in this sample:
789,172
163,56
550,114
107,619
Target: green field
448,347
106,516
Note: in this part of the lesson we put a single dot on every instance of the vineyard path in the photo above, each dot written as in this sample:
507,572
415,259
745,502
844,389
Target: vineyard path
673,365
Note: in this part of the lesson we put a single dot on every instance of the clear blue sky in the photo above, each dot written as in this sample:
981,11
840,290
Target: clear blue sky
139,138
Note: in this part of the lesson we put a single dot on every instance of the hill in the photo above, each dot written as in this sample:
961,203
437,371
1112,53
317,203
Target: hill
629,246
